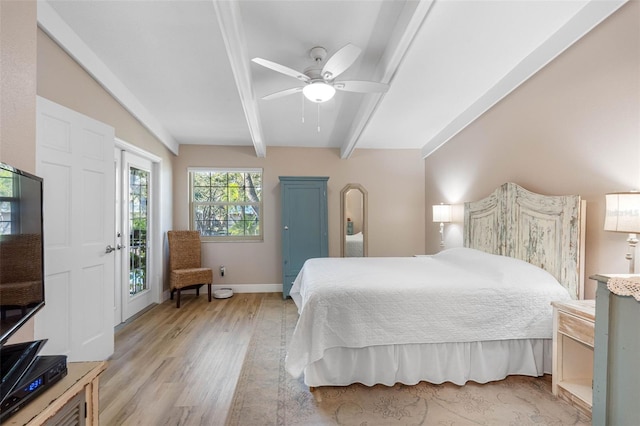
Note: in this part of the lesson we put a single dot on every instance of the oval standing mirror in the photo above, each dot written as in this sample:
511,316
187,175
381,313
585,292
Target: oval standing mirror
353,219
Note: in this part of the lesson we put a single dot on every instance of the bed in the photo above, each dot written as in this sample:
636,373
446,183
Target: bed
475,313
354,245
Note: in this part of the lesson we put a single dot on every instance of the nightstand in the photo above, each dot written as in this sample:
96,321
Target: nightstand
573,337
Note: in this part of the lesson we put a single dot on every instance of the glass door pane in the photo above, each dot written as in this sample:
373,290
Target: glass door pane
138,222
137,282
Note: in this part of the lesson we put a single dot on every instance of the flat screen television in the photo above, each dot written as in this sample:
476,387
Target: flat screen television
21,249
21,274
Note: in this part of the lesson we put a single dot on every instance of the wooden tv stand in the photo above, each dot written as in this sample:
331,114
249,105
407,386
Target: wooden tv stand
77,388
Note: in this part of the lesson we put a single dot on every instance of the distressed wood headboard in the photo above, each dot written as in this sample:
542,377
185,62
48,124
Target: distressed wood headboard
546,231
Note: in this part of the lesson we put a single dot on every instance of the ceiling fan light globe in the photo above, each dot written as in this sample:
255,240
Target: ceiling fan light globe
318,92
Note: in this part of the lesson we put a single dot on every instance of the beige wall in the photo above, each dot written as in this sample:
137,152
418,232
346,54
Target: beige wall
18,84
18,96
574,128
393,178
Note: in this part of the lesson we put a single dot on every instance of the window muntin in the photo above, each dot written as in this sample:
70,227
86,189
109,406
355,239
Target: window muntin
226,204
9,203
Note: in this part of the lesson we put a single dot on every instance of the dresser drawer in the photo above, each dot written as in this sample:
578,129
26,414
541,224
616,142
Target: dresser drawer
576,328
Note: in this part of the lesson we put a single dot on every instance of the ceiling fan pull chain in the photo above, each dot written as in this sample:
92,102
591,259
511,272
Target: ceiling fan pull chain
318,118
302,99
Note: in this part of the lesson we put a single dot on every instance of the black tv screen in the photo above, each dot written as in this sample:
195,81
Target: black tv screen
21,249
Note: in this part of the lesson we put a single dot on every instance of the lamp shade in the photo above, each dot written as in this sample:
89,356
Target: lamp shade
442,213
622,212
318,91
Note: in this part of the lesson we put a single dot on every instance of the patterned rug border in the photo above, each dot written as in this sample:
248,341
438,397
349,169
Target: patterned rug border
240,393
517,400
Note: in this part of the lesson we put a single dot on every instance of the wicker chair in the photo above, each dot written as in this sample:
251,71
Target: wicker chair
20,271
185,264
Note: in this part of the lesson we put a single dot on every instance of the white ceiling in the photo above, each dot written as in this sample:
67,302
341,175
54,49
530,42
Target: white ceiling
184,69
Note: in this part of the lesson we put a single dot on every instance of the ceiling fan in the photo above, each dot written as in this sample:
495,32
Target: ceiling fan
320,85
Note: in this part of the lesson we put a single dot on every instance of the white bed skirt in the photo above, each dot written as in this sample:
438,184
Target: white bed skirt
458,363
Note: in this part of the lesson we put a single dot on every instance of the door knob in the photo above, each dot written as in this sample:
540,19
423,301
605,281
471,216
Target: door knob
286,228
109,249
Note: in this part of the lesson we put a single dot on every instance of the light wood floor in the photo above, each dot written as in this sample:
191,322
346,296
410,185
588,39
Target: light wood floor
179,366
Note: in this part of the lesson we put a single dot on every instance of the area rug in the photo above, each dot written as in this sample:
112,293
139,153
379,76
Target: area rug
267,395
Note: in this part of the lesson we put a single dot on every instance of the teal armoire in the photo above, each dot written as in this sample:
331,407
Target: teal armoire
304,224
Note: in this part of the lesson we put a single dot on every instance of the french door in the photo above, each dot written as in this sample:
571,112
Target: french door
134,284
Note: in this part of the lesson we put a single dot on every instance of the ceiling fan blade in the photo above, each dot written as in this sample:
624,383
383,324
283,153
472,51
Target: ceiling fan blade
281,69
340,61
282,93
361,86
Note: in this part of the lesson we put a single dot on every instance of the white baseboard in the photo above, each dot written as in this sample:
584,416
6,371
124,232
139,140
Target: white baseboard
237,288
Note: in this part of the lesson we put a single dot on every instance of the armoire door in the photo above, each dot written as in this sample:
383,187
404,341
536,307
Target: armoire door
304,224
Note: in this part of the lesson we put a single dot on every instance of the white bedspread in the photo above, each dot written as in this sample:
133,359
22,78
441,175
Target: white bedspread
354,245
458,295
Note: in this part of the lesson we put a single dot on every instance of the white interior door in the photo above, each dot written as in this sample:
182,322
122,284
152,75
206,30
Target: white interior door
74,156
136,248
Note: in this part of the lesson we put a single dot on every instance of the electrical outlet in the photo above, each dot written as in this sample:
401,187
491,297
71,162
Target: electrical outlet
222,270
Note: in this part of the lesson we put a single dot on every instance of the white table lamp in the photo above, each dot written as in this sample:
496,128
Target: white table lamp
442,214
623,215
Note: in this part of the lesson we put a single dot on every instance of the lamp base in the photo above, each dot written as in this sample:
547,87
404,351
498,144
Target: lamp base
631,256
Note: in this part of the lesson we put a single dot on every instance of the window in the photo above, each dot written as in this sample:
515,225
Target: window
9,203
226,204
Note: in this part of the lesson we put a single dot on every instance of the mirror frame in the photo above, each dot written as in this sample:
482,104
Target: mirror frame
343,219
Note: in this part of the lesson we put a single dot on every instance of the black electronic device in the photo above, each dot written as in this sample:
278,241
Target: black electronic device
15,362
44,372
21,249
